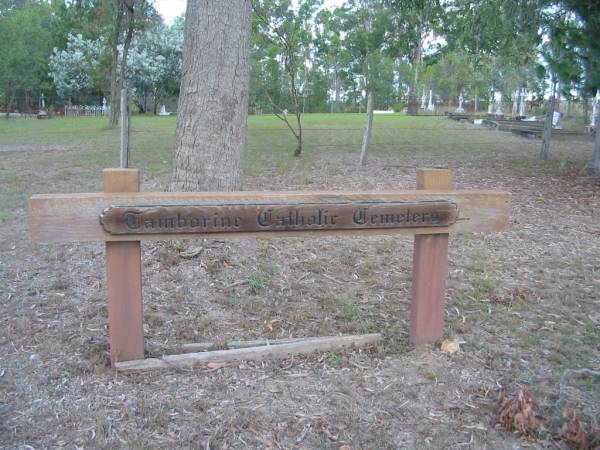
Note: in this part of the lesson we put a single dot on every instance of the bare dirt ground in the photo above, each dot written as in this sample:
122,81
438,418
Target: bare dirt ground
525,302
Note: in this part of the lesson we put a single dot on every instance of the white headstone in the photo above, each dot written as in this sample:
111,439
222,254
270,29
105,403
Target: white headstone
430,106
461,100
499,110
163,111
556,120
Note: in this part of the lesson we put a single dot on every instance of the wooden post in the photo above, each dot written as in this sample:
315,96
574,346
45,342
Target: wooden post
430,270
124,281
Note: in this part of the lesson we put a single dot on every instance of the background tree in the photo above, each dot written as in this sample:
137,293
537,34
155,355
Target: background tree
287,30
561,63
25,44
586,41
74,69
213,101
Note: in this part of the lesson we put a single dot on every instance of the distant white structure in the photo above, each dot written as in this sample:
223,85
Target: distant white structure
430,106
461,100
499,110
556,120
383,111
491,104
595,109
424,100
86,111
163,111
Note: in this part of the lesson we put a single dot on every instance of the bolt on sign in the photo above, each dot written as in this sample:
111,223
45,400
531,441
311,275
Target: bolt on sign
122,216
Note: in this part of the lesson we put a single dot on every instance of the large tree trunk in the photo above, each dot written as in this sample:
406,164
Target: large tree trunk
548,127
114,98
368,127
413,101
586,109
213,101
595,162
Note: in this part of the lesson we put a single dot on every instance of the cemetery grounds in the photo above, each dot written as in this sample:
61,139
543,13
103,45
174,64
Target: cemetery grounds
523,305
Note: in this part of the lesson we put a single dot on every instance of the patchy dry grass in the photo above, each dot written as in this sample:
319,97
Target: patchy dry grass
525,302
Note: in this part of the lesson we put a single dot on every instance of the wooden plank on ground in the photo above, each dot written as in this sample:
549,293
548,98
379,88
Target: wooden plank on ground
301,347
227,345
76,217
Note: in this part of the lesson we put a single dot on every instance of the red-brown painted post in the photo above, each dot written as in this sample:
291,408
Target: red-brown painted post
124,280
430,270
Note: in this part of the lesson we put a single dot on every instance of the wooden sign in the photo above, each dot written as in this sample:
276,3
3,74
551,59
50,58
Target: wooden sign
184,215
122,217
118,220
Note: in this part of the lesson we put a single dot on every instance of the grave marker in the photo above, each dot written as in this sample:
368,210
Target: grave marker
122,216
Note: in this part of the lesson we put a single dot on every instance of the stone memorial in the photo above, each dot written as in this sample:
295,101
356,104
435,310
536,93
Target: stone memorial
431,105
499,106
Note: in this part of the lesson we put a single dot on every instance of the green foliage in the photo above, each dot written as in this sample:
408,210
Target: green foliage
257,282
25,43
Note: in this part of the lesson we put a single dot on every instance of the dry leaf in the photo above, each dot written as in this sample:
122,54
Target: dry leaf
517,413
573,431
273,324
216,364
449,346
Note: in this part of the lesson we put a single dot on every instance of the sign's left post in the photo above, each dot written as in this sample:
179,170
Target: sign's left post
124,280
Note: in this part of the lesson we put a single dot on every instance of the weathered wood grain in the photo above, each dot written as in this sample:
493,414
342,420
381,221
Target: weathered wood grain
302,347
75,217
430,270
124,281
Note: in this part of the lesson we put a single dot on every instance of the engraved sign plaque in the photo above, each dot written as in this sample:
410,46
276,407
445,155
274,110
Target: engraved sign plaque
253,217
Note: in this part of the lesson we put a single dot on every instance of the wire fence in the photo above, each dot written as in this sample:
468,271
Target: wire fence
86,111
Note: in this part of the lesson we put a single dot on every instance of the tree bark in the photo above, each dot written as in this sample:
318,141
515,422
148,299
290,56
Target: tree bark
126,45
595,162
213,101
413,102
114,103
586,109
368,127
548,128
476,104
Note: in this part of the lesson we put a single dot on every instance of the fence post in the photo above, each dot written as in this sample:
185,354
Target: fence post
124,281
430,269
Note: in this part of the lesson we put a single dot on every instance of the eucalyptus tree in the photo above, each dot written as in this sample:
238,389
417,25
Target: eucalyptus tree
213,101
412,22
490,32
586,41
561,62
364,24
25,44
330,51
286,29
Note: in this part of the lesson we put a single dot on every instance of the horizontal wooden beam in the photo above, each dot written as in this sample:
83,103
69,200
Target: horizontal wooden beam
76,217
280,351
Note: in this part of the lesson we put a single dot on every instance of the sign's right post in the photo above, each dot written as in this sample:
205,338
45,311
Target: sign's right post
430,269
